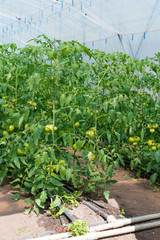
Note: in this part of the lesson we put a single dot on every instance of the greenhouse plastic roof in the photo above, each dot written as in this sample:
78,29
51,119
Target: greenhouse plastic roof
129,26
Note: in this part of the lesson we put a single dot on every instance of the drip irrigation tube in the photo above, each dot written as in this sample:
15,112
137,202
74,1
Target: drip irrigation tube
97,203
101,213
89,199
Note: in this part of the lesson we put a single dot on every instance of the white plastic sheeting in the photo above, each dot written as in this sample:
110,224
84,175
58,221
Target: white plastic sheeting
129,26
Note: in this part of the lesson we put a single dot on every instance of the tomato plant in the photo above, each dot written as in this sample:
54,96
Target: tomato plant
67,120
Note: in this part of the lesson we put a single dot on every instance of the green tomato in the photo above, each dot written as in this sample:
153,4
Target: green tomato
11,128
20,153
154,148
152,130
131,139
155,125
4,133
62,162
74,147
135,143
76,124
150,143
137,139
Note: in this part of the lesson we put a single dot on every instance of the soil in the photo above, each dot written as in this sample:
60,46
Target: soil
135,196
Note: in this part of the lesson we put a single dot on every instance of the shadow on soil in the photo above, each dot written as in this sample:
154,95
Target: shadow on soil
137,198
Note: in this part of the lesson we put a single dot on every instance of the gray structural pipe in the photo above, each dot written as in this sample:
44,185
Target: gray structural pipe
118,229
125,221
116,232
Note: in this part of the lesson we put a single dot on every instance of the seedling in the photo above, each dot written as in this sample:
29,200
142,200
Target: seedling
78,228
123,212
155,189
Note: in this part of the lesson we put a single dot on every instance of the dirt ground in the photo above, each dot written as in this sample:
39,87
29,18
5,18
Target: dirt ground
135,196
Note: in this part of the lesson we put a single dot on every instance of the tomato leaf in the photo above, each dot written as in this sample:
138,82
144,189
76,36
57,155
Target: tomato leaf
16,196
157,156
43,196
56,182
28,200
56,202
37,134
106,193
153,178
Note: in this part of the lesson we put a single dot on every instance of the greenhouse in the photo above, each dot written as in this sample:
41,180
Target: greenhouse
80,119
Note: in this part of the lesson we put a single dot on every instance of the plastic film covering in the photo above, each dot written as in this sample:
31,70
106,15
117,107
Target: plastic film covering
129,26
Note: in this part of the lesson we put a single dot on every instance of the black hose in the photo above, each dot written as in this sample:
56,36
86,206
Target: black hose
101,213
97,203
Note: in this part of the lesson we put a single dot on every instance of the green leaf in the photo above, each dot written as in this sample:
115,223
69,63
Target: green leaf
79,144
132,165
68,99
157,156
78,193
28,210
153,178
37,134
4,86
65,139
106,193
16,196
56,202
101,154
15,119
43,196
120,157
63,173
62,100
117,135
68,174
25,190
16,162
28,200
9,76
36,209
55,182
3,172
70,141
109,136
28,184
39,202
142,134
20,121
116,164
149,166
62,209
110,171
55,176
31,172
